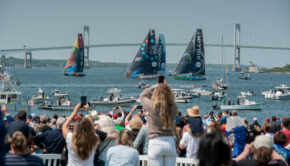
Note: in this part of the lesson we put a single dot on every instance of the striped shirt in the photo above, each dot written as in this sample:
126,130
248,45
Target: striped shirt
23,160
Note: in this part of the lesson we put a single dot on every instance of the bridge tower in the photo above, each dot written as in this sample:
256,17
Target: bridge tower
29,64
237,49
87,48
2,63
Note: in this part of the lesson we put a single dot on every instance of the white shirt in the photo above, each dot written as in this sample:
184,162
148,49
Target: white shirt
191,143
73,158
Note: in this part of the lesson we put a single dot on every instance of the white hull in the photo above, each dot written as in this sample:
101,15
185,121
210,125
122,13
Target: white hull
126,102
257,106
38,100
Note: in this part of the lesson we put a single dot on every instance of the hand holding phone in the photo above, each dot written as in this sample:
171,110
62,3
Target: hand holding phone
139,107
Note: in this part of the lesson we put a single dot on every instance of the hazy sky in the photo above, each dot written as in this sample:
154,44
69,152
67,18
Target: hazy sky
36,23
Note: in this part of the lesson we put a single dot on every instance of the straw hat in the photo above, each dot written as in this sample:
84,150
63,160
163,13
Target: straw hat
193,112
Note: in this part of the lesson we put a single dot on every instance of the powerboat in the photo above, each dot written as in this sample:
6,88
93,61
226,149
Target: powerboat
142,85
248,93
62,103
281,92
218,95
243,104
40,98
219,85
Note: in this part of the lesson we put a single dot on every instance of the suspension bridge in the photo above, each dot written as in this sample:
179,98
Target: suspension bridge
236,45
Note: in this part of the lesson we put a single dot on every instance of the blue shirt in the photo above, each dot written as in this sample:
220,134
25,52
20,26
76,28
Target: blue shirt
23,160
122,155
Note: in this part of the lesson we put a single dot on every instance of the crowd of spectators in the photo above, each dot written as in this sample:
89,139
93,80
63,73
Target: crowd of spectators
158,130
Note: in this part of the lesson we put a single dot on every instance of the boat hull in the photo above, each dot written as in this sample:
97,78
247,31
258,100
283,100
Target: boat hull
74,74
189,77
257,106
283,97
113,103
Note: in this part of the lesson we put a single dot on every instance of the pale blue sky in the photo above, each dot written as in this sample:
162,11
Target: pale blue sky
38,23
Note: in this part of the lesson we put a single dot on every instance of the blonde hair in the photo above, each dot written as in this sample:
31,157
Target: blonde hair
18,141
163,99
135,123
125,138
84,138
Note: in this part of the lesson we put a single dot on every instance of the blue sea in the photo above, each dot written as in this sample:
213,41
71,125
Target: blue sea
98,80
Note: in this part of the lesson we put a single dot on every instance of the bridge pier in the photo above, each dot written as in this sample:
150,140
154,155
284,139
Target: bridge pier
29,64
87,48
2,63
237,48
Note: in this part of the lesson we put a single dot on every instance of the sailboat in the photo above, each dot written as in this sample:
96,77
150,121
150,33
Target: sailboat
145,63
75,64
219,84
161,51
192,63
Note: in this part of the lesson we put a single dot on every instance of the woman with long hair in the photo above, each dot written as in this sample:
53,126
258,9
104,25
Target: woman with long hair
115,154
82,142
160,104
19,154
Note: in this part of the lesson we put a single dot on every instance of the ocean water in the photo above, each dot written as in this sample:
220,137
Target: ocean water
98,80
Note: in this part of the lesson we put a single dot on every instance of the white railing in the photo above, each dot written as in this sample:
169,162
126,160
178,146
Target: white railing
52,158
179,161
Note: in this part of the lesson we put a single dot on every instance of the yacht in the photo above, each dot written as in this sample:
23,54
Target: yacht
243,104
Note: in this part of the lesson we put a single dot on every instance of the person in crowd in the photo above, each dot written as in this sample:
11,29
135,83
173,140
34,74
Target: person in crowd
6,115
275,126
134,126
236,125
141,141
51,141
267,133
105,124
2,140
210,118
123,153
279,142
255,122
255,128
278,119
19,154
213,151
162,109
191,138
286,131
224,117
267,121
119,125
82,142
43,126
52,124
262,154
214,126
23,116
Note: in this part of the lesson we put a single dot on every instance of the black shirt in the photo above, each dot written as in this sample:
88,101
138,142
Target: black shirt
252,162
53,141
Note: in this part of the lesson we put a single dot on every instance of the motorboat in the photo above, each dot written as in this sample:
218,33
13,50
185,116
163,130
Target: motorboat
114,90
219,85
281,92
243,104
182,94
200,91
116,101
56,93
216,95
62,103
142,85
40,98
178,100
245,77
248,93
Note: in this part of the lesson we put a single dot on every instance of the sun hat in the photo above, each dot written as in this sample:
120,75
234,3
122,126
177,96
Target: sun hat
193,112
263,141
135,123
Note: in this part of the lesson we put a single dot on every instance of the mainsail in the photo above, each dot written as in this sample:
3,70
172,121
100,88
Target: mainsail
145,62
75,64
161,51
192,61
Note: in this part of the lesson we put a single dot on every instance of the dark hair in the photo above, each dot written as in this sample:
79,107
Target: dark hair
273,118
286,122
55,116
262,155
119,114
22,115
213,151
178,113
267,128
280,138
